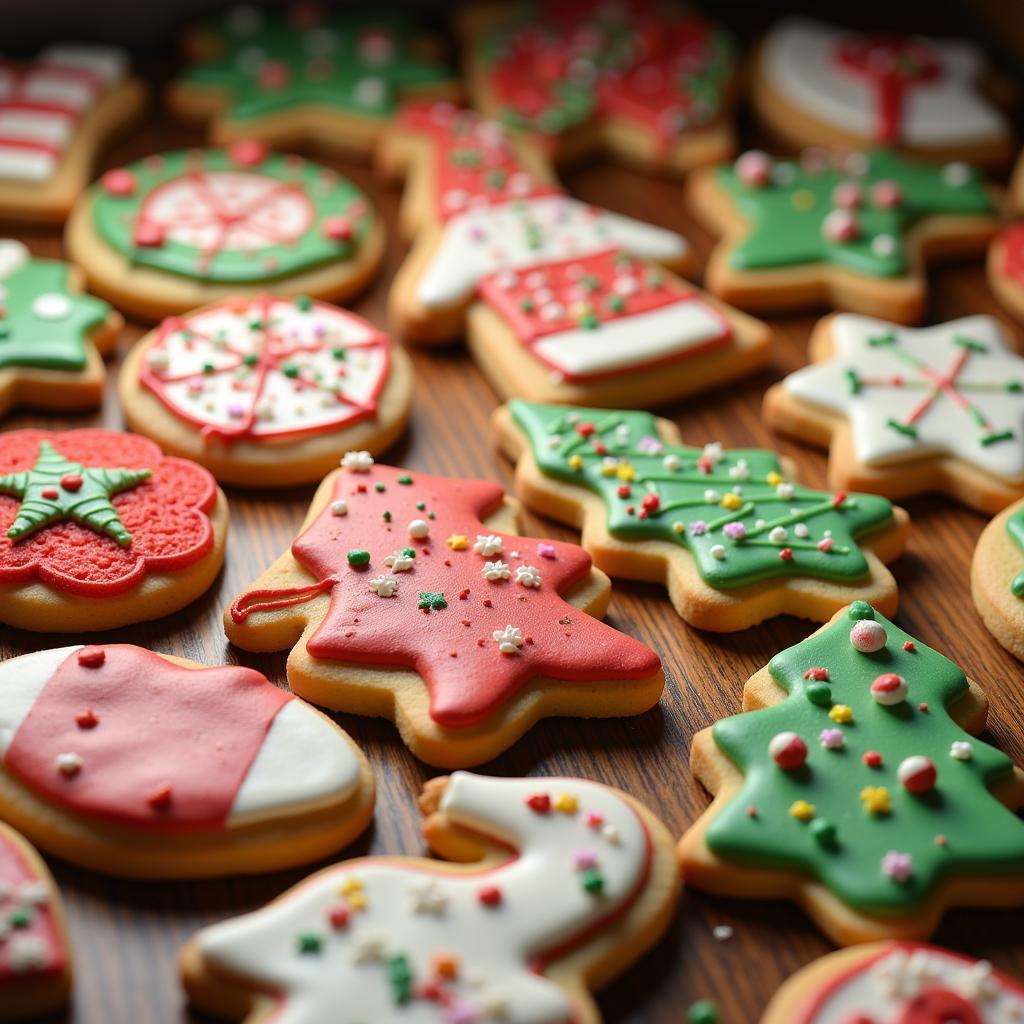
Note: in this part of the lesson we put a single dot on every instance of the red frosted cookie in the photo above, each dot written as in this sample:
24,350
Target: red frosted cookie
144,765
99,529
1006,268
411,596
35,958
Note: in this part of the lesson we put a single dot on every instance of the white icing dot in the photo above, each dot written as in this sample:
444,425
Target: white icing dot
69,763
339,508
801,530
509,639
51,306
956,174
718,552
883,245
961,750
778,534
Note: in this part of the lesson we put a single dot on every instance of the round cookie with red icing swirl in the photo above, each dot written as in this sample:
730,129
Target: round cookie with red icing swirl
99,529
905,982
144,765
267,391
176,230
1005,268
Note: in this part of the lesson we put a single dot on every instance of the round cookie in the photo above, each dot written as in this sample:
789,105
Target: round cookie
267,391
177,230
99,529
555,887
1005,268
997,578
143,765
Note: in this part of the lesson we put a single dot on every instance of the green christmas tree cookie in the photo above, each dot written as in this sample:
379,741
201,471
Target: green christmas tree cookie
857,789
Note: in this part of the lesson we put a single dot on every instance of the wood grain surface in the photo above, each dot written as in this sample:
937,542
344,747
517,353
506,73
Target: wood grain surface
126,935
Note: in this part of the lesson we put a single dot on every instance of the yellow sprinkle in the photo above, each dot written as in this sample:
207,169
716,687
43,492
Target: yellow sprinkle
876,799
774,478
457,542
350,885
803,199
575,462
842,714
802,810
609,468
566,803
357,901
678,527
625,471
731,501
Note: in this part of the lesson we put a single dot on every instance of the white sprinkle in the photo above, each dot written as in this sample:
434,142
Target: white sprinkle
419,528
722,932
357,462
339,507
69,763
961,750
718,552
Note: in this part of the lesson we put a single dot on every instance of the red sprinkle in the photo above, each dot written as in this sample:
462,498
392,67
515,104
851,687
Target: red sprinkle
453,654
909,646
337,229
248,152
118,182
160,797
338,915
819,675
149,236
838,498
50,493
86,719
941,840
539,803
71,482
360,488
487,602
923,706
786,554
625,490
463,594
489,896
872,758
585,429
751,811
92,657
651,502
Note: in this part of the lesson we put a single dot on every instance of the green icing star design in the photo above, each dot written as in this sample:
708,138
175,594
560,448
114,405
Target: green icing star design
362,64
56,489
787,215
734,511
957,827
45,325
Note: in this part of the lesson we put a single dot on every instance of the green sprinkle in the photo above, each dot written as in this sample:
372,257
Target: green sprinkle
358,556
409,552
20,918
853,380
432,600
861,610
616,303
386,515
907,429
882,339
339,352
379,487
995,438
256,325
405,480
400,976
421,505
431,515
704,1011
303,302
290,370
823,831
526,304
309,942
592,881
969,343
820,694
1014,386
208,367
251,359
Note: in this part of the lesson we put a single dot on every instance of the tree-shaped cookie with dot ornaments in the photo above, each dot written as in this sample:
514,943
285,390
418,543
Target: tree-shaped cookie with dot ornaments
52,336
853,783
412,597
852,230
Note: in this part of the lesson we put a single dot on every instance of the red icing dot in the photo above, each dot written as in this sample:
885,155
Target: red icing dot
489,896
624,490
539,803
909,647
338,229
838,498
338,915
585,429
248,152
50,493
87,719
71,482
92,657
938,1006
819,675
149,236
651,502
872,758
786,554
118,182
161,796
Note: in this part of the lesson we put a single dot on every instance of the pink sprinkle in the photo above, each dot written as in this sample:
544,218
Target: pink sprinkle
236,412
840,226
825,544
698,528
923,706
847,195
754,168
898,866
546,549
582,860
886,194
734,530
751,811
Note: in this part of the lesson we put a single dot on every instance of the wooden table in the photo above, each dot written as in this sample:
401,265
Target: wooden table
126,934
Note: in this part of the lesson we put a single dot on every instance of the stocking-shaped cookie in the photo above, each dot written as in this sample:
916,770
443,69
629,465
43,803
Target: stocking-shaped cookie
566,883
411,596
143,765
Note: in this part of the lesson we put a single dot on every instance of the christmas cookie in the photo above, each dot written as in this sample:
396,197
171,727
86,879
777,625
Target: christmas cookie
99,529
304,77
35,958
852,231
177,230
650,84
854,785
608,328
147,766
997,578
729,533
906,411
267,391
903,982
1006,268
56,114
476,205
558,886
819,85
52,336
411,597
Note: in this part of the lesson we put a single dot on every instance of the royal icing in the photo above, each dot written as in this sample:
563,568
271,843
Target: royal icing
1012,242
31,945
850,817
264,368
954,389
852,211
119,734
359,65
886,88
92,512
379,937
43,323
733,511
42,105
553,69
235,216
602,313
917,984
443,614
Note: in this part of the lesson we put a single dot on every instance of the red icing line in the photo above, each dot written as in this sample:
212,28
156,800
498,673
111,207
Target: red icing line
1012,241
818,1000
194,730
15,871
893,65
361,628
167,516
270,599
275,350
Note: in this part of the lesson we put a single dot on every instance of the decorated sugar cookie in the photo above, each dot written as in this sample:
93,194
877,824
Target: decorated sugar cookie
476,205
308,76
56,115
1006,268
898,981
854,784
99,529
908,410
270,391
651,84
174,231
52,337
851,231
820,85
35,958
412,597
561,885
143,765
997,577
731,534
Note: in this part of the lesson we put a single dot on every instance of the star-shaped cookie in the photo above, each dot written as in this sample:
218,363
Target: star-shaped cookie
910,410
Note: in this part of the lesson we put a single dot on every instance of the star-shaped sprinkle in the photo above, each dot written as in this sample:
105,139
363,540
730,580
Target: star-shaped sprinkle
428,897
